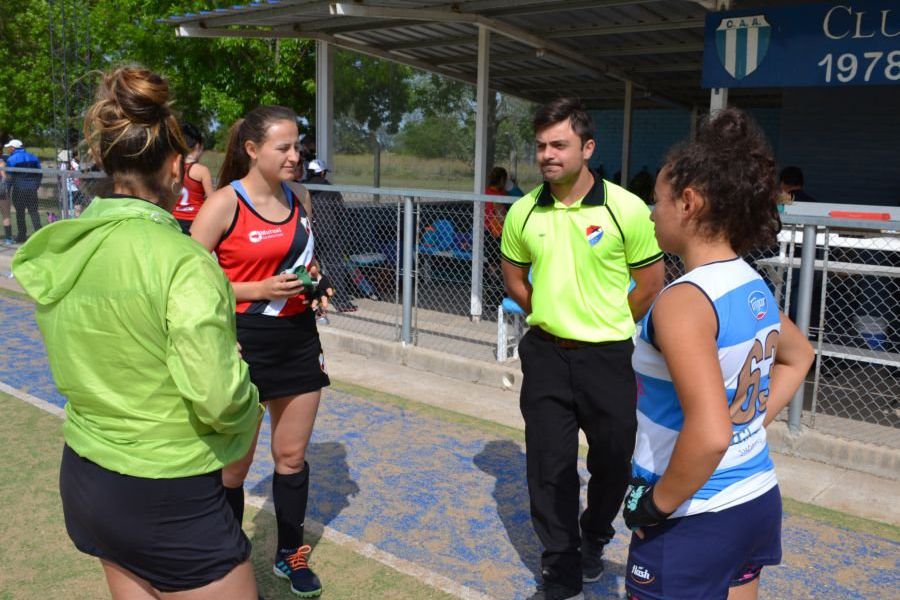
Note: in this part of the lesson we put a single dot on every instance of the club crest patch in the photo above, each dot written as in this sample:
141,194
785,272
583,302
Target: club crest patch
594,233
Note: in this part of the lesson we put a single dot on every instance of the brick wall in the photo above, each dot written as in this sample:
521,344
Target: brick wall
652,133
846,140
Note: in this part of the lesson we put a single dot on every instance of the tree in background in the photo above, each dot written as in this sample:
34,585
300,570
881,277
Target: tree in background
24,71
444,123
215,81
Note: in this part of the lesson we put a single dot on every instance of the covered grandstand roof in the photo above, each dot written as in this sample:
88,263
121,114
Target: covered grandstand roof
539,48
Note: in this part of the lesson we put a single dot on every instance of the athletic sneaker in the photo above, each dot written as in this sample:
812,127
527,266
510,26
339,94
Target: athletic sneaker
9,241
550,589
554,591
295,567
591,561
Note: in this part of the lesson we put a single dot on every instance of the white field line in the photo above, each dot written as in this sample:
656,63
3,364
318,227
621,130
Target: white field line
368,550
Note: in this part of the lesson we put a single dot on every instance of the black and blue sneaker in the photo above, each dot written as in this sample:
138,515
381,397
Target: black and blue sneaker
294,566
592,560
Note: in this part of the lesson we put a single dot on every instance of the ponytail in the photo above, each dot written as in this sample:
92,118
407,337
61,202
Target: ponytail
236,163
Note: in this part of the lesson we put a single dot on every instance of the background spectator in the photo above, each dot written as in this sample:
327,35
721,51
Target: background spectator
330,213
791,179
22,187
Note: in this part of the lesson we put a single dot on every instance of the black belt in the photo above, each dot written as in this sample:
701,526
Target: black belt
565,342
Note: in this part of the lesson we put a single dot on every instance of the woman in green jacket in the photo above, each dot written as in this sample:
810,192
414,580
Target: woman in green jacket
139,325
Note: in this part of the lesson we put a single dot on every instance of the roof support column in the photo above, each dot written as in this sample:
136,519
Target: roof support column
325,103
481,161
718,97
626,133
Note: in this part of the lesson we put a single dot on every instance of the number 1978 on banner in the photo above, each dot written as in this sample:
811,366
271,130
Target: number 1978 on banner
847,67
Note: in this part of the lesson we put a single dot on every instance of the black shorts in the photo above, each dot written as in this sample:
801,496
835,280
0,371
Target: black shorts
185,226
284,354
178,534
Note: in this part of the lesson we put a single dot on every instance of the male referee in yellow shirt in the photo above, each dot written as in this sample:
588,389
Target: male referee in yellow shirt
583,239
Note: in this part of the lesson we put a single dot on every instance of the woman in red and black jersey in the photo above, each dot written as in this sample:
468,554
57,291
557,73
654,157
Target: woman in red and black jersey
258,224
197,185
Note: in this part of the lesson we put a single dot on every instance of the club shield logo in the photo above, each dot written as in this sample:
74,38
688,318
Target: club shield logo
742,43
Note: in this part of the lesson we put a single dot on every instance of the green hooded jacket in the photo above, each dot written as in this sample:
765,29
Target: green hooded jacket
139,324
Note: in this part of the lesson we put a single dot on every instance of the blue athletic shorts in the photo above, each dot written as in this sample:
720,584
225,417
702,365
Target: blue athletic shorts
701,556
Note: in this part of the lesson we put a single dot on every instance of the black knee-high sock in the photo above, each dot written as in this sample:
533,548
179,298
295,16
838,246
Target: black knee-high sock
235,499
7,231
290,494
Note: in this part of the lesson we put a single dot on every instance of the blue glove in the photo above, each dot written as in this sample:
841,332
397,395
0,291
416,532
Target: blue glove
640,511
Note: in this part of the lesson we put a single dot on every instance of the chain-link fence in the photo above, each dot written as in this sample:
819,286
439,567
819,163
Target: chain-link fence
367,229
854,325
32,198
403,263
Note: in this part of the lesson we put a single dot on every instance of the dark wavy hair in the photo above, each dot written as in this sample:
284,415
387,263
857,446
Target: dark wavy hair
731,164
192,135
562,109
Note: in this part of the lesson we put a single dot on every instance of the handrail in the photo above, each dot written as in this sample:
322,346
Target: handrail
835,222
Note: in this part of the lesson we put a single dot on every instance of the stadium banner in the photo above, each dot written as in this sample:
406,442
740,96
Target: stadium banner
829,44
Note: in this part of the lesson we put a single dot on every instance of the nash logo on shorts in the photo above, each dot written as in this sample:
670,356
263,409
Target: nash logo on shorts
641,575
758,305
742,43
594,233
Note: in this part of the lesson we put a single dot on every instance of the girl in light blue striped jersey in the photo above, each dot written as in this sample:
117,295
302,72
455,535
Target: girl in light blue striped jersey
715,362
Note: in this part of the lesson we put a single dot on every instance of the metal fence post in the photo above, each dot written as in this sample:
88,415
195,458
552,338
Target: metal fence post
476,301
804,304
408,244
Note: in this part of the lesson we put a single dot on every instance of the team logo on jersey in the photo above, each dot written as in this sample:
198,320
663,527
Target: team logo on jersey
742,43
641,575
594,233
258,235
759,306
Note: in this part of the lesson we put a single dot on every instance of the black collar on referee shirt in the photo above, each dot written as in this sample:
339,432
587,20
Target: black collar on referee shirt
595,197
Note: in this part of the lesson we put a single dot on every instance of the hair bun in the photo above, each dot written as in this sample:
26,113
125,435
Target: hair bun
142,95
728,125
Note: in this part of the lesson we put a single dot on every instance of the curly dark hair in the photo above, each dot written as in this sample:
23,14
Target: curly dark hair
731,165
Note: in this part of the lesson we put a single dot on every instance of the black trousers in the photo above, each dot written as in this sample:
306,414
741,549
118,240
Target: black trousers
25,200
563,390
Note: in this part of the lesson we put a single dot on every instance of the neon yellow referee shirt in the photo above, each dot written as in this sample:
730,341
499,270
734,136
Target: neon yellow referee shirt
581,256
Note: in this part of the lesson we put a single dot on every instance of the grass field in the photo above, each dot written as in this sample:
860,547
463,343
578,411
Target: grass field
39,560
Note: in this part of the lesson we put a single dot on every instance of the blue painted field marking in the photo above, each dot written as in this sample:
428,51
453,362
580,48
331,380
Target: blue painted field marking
453,499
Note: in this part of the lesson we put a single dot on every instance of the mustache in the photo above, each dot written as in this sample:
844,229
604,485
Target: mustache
550,164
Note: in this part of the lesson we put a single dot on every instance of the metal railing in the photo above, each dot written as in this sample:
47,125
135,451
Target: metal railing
402,261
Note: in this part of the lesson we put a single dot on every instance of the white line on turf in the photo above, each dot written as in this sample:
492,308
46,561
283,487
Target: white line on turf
369,551
332,535
33,400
